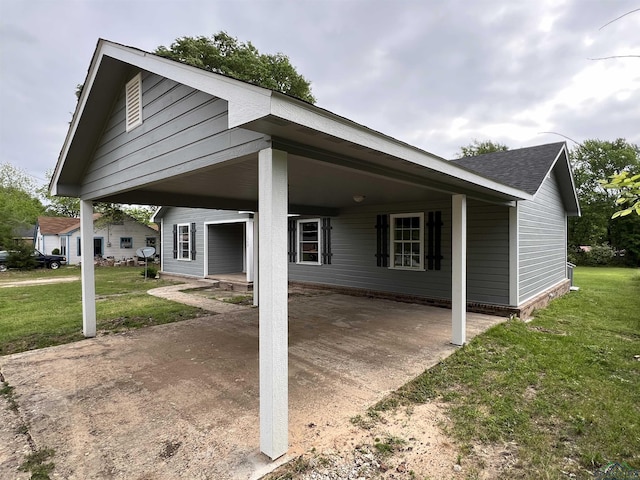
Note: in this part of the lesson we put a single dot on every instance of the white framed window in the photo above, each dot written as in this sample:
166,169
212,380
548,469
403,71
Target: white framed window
407,241
309,246
133,102
184,241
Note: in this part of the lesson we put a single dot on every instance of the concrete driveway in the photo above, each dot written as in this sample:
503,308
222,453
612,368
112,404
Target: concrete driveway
181,400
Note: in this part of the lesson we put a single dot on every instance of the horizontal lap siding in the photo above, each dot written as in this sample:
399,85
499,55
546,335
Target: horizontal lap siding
226,248
487,253
182,127
542,227
198,216
353,264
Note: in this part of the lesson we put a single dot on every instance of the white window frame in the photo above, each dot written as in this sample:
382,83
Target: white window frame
130,243
300,241
395,242
180,242
133,102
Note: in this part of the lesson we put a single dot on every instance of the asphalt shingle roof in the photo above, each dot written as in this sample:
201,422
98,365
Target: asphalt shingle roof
523,168
56,225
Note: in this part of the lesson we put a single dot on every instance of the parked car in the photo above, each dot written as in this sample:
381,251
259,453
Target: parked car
49,261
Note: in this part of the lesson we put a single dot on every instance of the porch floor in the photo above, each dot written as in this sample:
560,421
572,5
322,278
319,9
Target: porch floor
181,400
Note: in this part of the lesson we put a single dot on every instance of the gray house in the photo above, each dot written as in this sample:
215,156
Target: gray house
221,242
334,203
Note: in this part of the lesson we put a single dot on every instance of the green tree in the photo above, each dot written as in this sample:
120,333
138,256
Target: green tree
58,206
19,205
628,188
222,53
477,147
592,161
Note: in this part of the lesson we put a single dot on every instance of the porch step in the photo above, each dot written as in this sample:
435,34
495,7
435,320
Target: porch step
234,285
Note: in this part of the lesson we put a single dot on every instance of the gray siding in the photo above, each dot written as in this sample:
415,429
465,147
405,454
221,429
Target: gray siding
183,129
226,248
488,253
198,216
543,244
353,244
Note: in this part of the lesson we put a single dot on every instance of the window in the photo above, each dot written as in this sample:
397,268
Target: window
63,245
407,240
151,242
126,242
309,241
184,242
133,102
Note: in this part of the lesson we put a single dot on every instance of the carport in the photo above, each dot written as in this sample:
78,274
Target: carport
133,140
181,400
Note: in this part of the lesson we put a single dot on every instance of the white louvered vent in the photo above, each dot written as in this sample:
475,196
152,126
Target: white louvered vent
133,92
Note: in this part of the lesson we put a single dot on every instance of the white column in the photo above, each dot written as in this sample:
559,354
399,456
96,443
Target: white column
458,269
248,249
256,261
514,259
274,388
88,273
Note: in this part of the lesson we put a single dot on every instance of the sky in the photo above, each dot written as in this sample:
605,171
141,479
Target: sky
433,73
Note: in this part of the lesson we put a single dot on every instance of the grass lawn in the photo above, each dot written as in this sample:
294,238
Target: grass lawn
562,392
43,315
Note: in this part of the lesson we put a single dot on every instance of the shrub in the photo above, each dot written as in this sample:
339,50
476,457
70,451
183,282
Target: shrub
598,255
151,271
21,257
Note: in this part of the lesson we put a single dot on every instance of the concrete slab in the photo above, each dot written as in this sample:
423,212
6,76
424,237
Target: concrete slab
181,400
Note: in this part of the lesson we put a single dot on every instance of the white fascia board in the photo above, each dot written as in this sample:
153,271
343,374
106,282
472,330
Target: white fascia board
246,102
156,214
324,121
567,166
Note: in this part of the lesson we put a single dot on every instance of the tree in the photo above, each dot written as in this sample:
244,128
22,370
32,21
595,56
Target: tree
224,54
19,206
59,206
592,161
477,147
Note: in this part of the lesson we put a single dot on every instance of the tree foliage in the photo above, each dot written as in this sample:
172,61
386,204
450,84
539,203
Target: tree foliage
593,161
19,206
222,53
628,188
477,147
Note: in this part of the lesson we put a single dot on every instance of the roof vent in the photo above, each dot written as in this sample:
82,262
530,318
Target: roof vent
133,92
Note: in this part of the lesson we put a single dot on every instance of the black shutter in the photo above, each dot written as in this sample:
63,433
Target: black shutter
175,241
193,241
438,240
382,241
326,241
293,241
434,240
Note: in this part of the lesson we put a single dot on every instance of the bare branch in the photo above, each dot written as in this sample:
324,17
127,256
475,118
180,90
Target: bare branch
616,19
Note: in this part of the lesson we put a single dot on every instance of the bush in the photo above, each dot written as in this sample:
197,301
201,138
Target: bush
55,251
598,255
21,257
151,271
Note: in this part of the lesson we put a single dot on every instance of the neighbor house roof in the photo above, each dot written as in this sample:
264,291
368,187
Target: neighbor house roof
56,225
526,169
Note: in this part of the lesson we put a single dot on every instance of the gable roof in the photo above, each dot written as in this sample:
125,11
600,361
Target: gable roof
57,225
526,169
291,124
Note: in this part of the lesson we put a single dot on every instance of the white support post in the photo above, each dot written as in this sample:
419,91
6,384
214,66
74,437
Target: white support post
88,273
256,261
458,269
248,249
274,388
514,258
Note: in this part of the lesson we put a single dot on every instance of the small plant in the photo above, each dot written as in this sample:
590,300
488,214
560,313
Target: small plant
389,445
37,464
55,251
151,272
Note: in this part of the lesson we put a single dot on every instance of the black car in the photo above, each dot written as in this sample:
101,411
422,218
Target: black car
49,261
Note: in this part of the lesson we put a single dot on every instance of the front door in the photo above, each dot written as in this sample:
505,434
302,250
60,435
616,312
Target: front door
97,247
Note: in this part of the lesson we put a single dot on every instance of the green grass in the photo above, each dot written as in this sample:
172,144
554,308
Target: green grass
44,315
564,386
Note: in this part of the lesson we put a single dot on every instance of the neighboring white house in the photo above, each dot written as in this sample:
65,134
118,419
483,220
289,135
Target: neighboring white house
119,241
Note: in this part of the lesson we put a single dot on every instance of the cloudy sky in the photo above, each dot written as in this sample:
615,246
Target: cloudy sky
433,73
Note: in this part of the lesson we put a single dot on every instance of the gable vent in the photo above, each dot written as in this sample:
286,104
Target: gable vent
133,92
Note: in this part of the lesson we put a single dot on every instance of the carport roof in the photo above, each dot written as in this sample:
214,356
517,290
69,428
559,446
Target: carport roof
302,129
